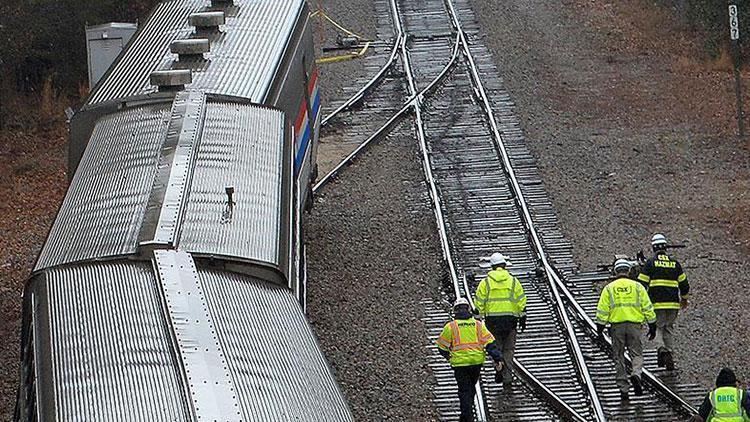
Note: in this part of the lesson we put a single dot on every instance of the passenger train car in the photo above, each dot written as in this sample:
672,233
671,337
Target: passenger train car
171,286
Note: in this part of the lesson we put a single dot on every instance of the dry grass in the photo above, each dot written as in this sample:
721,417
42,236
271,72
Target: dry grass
690,63
723,63
38,111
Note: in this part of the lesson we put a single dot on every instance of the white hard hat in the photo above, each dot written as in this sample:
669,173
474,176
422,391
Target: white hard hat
658,240
621,265
498,259
460,301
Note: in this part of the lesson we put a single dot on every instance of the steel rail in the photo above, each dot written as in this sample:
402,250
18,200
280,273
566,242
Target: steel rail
437,205
480,411
552,398
528,222
386,128
552,272
529,378
651,379
538,386
360,95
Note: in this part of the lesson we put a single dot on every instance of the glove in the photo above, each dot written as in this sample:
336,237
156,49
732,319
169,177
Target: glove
683,303
600,332
651,331
522,324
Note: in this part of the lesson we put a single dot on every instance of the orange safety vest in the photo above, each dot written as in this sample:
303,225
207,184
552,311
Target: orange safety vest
465,339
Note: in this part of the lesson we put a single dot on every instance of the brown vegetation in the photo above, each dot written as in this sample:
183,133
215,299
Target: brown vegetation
43,52
32,185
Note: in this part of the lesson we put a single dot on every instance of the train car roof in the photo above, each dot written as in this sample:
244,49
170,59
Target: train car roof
112,343
244,56
158,173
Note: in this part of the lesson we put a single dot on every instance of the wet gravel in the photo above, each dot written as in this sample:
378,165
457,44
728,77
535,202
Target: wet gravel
631,141
371,259
664,161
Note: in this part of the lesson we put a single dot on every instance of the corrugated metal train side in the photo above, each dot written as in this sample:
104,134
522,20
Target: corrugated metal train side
263,52
171,286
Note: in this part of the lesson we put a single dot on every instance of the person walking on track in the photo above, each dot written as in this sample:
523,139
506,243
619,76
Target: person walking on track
501,301
625,305
726,403
463,343
668,289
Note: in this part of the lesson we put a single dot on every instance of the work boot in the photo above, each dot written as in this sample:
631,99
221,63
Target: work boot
624,396
637,387
669,361
660,358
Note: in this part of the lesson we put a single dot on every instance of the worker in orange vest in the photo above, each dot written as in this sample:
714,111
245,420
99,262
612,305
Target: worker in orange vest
464,342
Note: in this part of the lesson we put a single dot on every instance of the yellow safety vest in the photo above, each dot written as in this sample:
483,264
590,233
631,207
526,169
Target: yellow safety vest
625,300
500,294
465,339
726,405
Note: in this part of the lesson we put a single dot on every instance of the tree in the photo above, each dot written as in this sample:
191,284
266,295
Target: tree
43,39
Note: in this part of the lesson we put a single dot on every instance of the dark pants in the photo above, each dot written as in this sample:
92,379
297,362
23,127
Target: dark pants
504,331
466,378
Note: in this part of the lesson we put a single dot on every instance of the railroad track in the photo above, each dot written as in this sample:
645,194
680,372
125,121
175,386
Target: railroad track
458,161
372,102
487,195
375,104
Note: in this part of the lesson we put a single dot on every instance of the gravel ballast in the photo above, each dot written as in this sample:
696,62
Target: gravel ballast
357,16
372,255
371,248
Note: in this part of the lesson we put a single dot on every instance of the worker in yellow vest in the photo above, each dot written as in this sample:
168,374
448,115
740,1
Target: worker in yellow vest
501,301
727,403
625,305
463,343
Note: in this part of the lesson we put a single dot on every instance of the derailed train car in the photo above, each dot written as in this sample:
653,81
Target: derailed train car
171,286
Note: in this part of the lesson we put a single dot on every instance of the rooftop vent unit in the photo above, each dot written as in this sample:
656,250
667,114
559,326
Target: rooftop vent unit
190,49
103,44
207,20
170,80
